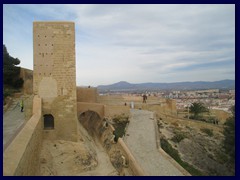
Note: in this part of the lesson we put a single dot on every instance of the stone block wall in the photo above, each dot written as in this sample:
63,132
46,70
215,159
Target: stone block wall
84,106
87,95
27,76
21,157
114,110
54,76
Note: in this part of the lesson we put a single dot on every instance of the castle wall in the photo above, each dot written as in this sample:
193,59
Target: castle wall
87,95
27,76
85,106
111,99
21,157
168,107
54,76
114,110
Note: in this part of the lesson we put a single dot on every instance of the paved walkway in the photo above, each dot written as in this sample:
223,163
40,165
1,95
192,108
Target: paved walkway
13,121
142,143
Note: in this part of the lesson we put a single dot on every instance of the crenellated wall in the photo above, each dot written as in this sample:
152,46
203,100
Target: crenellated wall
21,157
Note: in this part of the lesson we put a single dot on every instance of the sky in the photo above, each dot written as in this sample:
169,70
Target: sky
134,43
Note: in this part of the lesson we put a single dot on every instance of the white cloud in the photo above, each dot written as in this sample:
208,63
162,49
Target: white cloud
136,43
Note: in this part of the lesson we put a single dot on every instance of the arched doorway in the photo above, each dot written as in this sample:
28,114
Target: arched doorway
91,121
48,122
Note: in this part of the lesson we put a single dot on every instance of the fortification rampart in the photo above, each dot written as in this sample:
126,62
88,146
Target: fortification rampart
21,158
27,76
89,95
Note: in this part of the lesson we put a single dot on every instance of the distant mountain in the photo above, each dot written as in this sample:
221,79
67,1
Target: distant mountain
125,86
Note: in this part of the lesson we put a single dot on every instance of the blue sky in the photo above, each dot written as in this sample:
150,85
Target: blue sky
134,43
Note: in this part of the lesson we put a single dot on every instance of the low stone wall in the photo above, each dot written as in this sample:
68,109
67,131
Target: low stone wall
162,152
114,110
111,99
118,153
21,158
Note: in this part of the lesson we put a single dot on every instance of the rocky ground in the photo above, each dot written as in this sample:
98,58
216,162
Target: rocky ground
199,147
59,158
86,157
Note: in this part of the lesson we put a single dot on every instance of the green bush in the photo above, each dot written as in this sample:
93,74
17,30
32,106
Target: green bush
120,123
6,93
178,137
209,132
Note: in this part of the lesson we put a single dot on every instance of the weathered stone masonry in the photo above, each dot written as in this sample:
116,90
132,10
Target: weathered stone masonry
54,77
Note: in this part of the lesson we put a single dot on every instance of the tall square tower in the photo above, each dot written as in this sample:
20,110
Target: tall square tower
54,77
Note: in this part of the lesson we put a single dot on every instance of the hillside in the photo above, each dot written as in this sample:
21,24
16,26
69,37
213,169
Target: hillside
125,86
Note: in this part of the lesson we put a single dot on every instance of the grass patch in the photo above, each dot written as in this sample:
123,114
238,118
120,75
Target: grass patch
221,157
120,123
174,154
178,137
207,131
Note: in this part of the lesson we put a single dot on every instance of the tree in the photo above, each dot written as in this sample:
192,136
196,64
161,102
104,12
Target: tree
197,108
229,133
11,71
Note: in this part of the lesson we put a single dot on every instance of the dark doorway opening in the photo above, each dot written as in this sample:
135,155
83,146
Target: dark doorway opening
91,121
48,121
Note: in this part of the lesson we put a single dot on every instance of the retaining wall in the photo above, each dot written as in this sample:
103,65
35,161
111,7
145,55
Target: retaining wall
116,151
114,110
21,157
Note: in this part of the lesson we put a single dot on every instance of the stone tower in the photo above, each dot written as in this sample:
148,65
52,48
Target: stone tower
54,78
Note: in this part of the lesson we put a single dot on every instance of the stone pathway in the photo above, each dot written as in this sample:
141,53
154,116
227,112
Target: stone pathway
13,121
141,140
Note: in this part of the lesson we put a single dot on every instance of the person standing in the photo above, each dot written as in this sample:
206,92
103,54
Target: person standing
144,98
21,105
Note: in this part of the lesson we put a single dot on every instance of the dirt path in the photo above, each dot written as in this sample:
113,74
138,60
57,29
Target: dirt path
141,140
86,157
104,167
